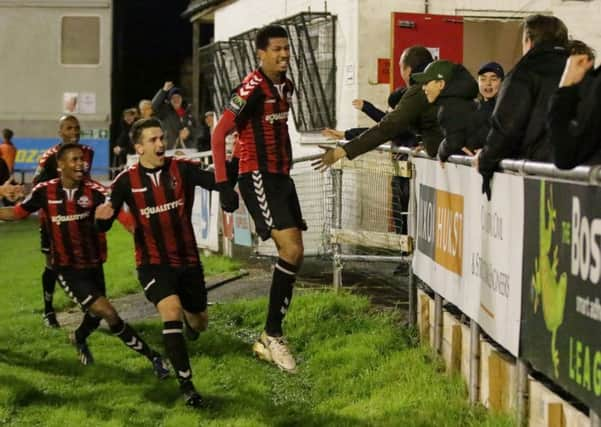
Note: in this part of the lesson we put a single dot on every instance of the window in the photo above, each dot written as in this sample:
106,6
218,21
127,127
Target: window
80,40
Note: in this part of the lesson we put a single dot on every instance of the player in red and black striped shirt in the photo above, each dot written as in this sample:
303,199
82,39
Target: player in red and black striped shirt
78,249
159,191
69,132
258,110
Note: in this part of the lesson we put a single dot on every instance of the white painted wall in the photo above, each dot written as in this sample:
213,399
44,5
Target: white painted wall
248,14
581,17
363,36
33,80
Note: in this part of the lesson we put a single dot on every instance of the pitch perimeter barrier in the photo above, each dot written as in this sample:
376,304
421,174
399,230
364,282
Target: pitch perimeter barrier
524,267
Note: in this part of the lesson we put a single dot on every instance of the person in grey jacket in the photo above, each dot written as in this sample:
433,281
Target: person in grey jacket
175,116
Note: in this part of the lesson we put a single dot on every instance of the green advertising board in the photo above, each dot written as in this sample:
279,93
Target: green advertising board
561,293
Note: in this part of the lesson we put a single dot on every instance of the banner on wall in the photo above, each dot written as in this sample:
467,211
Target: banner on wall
29,151
205,219
242,224
561,308
469,249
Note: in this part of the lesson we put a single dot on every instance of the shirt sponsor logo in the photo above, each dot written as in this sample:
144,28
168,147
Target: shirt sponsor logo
440,227
270,118
58,219
152,210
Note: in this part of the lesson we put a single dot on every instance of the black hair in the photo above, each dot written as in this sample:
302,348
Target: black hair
578,47
7,134
138,127
543,28
416,57
64,148
269,32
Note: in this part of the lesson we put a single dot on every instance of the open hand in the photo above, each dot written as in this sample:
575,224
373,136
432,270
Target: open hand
358,104
575,69
332,134
330,156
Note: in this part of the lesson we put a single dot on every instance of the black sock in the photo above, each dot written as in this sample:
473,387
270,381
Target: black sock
48,285
175,347
88,325
130,338
280,295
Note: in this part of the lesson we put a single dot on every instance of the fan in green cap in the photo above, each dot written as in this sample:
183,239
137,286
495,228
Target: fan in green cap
434,78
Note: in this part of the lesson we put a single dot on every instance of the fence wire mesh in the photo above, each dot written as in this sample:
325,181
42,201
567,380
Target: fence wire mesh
315,194
243,50
374,207
312,69
218,76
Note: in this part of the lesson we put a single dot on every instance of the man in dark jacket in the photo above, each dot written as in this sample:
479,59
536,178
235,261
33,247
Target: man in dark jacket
175,116
452,89
413,113
518,123
575,110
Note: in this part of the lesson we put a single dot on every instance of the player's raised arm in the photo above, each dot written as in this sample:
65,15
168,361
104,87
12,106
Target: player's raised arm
229,198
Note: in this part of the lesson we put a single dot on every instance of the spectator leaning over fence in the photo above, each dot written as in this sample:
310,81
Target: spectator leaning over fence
259,110
78,251
575,111
518,123
8,151
69,131
452,89
159,192
145,109
413,113
175,115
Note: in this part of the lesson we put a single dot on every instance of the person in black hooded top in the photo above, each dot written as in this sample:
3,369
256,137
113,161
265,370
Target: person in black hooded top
453,89
518,124
575,109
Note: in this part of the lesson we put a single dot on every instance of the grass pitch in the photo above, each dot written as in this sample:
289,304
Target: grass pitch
356,367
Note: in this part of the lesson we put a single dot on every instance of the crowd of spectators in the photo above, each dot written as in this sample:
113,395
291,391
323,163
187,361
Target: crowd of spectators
544,109
182,129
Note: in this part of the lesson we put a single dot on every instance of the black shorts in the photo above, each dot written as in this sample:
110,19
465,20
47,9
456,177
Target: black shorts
272,202
161,281
84,286
44,240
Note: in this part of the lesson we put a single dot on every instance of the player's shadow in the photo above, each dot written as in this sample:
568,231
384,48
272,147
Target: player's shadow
100,372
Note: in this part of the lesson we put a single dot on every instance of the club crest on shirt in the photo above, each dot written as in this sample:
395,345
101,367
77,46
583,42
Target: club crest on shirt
83,201
173,183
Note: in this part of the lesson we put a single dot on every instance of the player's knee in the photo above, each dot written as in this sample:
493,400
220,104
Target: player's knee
170,309
103,308
292,253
